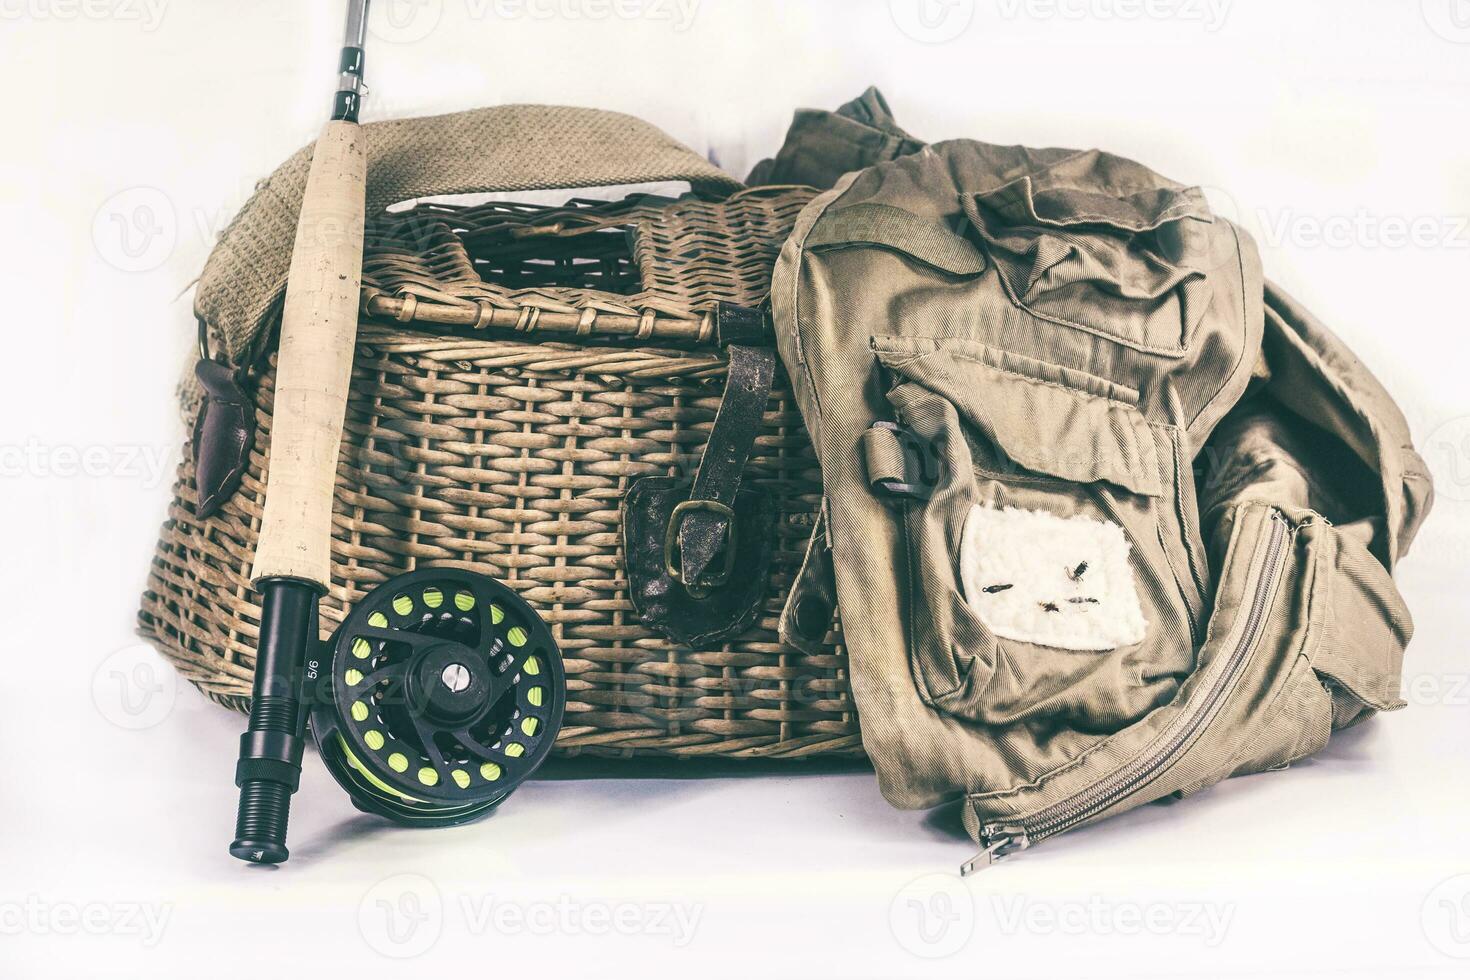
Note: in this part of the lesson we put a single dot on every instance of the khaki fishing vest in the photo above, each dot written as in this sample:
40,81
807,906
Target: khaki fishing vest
1110,517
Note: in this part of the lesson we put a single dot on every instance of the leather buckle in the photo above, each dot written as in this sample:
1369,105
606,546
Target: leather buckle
710,580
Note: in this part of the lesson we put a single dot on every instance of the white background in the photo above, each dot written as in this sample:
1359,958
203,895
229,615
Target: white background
1335,132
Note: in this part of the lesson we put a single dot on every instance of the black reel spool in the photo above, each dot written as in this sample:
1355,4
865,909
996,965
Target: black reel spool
444,690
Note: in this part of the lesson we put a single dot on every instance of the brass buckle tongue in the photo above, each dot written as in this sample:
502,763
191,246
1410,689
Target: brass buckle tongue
673,558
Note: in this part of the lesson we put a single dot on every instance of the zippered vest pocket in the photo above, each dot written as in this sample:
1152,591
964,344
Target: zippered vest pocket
1306,637
1351,661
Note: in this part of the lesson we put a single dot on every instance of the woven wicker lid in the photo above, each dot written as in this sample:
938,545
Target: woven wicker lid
502,148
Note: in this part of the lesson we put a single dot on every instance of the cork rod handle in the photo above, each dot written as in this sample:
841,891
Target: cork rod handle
314,367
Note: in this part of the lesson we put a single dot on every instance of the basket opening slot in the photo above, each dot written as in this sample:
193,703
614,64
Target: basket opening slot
599,259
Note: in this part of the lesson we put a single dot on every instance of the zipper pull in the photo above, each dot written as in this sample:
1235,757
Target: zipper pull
1000,841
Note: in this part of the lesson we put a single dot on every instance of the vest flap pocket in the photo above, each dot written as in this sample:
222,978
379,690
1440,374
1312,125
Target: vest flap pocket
885,226
1046,418
1366,625
1038,586
1104,245
1039,200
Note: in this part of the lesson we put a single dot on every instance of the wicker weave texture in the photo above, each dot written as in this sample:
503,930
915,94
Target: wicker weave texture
498,148
640,268
493,452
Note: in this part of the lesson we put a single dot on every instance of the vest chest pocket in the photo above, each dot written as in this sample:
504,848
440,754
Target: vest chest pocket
1040,588
1104,245
1355,628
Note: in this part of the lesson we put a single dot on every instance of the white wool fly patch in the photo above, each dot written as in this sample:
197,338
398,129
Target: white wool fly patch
1055,581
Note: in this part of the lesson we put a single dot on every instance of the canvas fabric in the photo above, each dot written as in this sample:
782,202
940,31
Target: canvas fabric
1157,502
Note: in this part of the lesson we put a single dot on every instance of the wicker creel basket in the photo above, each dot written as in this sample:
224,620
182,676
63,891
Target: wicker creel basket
518,366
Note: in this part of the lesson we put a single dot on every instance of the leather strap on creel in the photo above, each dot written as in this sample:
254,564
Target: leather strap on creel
697,554
704,521
502,148
806,619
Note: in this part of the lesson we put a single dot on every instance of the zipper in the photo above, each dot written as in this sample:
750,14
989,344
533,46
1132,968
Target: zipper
999,840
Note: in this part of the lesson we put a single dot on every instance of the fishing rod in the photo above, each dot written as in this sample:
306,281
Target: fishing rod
292,558
442,690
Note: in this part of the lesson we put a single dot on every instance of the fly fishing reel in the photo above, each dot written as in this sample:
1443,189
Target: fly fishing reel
443,691
439,695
